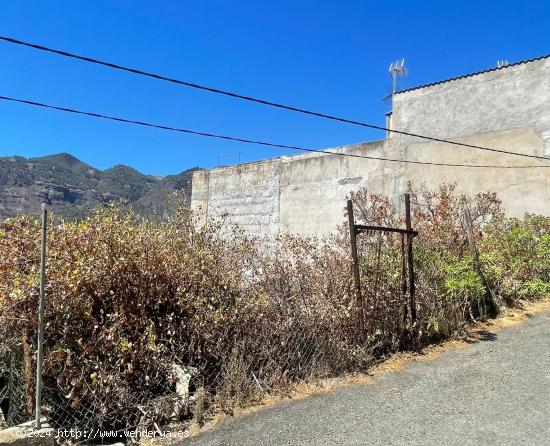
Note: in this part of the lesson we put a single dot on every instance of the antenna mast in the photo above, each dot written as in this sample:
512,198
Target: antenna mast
397,70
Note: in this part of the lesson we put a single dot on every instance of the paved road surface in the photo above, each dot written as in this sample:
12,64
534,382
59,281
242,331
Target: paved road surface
496,392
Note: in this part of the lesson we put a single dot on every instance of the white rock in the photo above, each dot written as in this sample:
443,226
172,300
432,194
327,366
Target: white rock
184,374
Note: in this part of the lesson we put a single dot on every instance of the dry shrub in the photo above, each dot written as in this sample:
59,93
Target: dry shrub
298,323
125,300
449,292
128,299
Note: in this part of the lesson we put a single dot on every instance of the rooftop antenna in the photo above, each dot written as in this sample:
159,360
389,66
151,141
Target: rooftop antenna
397,70
238,154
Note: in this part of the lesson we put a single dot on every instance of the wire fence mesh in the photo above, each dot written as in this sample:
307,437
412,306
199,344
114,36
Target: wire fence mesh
158,345
13,392
240,367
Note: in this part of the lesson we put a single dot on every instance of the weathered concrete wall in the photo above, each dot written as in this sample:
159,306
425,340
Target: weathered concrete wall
507,108
314,188
299,194
521,189
512,97
247,193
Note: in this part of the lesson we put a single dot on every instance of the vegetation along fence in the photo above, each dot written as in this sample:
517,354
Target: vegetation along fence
159,326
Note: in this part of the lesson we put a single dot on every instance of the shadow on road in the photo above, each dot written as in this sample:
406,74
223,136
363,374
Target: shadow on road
482,336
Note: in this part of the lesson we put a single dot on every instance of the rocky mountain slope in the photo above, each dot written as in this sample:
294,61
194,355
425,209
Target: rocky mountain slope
71,187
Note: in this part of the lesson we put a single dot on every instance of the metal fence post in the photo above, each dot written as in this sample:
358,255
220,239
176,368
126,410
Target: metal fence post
11,392
404,278
410,258
40,349
356,276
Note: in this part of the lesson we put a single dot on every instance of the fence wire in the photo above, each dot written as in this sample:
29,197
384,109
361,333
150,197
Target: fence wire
14,407
297,343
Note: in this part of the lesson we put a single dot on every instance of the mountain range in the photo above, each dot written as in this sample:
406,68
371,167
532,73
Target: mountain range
72,188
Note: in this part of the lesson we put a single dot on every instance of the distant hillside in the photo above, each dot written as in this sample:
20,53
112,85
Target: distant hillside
71,187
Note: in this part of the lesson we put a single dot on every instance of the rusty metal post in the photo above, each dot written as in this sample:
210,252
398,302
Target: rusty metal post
410,258
404,277
356,276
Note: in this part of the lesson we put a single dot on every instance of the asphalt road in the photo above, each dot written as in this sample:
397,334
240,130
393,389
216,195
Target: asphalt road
495,392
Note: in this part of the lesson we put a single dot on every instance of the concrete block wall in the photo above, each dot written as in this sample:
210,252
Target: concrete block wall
248,194
303,194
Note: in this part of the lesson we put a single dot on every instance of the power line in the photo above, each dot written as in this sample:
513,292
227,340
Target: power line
243,140
257,100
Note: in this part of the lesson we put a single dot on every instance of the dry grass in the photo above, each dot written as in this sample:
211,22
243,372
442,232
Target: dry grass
298,391
394,363
510,318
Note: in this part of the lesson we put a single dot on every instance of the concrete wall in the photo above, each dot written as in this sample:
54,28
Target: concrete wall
299,194
513,97
247,193
507,108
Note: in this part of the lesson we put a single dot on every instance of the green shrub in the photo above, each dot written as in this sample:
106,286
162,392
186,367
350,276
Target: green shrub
518,258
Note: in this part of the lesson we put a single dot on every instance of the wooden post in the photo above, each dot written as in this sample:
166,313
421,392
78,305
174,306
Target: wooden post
356,276
489,296
410,258
40,349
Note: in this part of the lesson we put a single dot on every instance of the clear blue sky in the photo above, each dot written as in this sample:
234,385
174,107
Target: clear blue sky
331,56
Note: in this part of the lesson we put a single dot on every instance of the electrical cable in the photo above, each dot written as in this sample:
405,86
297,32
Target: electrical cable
242,140
259,101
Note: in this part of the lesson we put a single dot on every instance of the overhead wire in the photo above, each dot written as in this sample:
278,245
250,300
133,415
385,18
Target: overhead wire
243,140
259,100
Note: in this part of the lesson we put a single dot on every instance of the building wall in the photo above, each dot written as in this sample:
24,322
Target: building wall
516,96
299,194
248,194
507,108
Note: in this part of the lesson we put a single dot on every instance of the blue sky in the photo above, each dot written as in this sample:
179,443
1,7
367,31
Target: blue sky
330,56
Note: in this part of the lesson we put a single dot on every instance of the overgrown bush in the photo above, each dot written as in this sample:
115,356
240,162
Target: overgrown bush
517,258
128,300
450,293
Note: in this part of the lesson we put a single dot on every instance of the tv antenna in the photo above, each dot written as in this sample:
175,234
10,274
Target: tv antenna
397,70
238,155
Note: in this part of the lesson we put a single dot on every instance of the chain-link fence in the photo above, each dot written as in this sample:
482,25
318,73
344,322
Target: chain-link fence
153,327
238,369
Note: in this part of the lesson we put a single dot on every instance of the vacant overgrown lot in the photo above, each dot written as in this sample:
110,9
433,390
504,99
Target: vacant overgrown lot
132,304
